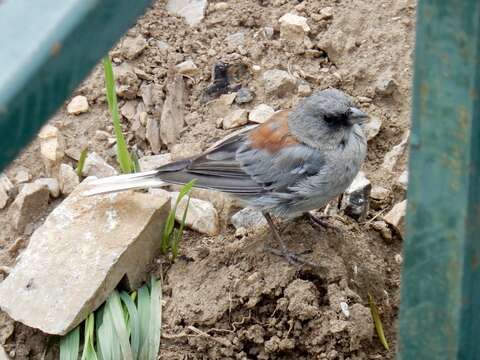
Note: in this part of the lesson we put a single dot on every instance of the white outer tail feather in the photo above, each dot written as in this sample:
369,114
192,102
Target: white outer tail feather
111,184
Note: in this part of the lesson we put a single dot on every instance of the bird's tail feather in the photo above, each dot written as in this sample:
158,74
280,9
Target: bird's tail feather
141,180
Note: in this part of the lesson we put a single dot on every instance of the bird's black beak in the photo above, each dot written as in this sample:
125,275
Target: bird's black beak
356,116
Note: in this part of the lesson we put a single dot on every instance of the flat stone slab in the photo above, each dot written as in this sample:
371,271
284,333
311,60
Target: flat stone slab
80,254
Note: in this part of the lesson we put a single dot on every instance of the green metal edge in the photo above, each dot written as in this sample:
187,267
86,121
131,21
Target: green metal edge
48,47
441,275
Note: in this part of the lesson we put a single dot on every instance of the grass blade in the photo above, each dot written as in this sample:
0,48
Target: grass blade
133,323
123,157
114,308
81,162
144,316
88,348
378,322
155,318
70,344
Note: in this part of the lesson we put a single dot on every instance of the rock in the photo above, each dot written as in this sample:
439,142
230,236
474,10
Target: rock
154,161
249,219
403,180
96,166
261,113
371,128
172,120
383,228
29,205
80,254
327,12
268,31
398,259
279,82
22,175
7,326
293,27
185,150
52,185
385,85
391,158
52,148
101,135
191,10
133,46
379,192
235,119
234,41
356,199
78,105
396,216
127,81
220,6
129,110
304,90
7,190
187,67
152,134
244,96
68,179
220,82
361,327
201,215
3,354
146,93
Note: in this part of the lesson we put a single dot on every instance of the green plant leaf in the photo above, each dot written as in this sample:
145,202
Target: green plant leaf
88,347
70,344
378,322
123,157
133,323
151,345
143,301
114,308
81,162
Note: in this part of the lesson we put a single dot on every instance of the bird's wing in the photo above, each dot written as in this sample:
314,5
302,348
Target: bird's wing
265,158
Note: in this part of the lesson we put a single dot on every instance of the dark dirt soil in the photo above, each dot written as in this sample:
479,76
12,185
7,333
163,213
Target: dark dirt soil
227,298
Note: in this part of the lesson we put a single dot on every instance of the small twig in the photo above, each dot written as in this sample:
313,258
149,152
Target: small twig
373,218
221,341
242,321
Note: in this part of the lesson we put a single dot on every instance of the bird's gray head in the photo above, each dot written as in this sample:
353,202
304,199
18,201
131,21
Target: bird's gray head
325,119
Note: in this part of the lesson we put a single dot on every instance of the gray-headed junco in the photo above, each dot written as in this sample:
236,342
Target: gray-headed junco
295,162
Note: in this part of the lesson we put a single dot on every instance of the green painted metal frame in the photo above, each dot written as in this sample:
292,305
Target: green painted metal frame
47,48
440,302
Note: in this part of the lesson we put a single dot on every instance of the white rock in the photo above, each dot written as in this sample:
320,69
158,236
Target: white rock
279,82
249,219
129,109
396,216
201,215
261,113
52,148
371,128
304,90
133,46
3,198
127,81
78,105
96,166
22,175
67,178
7,190
293,27
29,205
172,120
191,10
326,12
379,192
220,6
152,134
235,119
79,255
356,199
403,180
236,40
152,162
398,259
187,67
391,158
52,185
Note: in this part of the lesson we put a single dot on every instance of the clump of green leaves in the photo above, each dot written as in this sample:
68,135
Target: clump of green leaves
124,159
127,326
171,235
378,322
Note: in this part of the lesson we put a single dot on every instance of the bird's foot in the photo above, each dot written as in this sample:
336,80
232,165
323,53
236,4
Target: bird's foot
291,257
319,221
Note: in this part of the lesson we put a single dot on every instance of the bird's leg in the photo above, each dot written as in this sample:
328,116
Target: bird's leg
284,252
319,220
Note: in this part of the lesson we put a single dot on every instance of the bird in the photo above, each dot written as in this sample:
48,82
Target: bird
296,161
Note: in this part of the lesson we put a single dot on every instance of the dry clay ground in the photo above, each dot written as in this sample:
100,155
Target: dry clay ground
247,303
